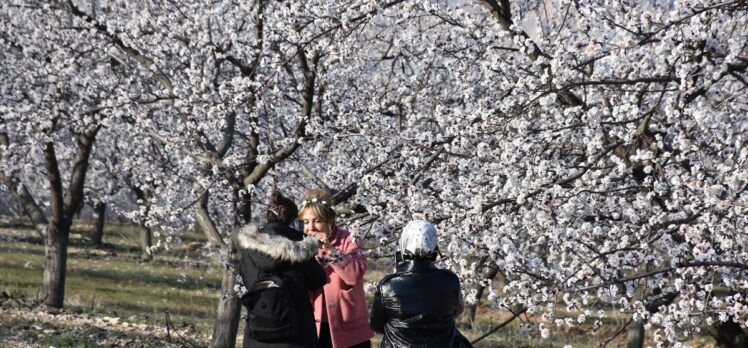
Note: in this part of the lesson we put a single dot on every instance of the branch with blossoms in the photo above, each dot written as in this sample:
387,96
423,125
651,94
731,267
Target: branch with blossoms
684,265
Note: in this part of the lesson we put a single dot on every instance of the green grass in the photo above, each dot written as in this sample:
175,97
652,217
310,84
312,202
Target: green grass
114,279
68,340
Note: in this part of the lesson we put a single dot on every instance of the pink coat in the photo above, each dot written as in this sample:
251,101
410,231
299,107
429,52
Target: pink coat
347,310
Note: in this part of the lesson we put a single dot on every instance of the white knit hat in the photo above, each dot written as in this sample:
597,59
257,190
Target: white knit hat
418,239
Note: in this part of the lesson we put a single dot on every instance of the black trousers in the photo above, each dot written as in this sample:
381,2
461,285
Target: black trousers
326,342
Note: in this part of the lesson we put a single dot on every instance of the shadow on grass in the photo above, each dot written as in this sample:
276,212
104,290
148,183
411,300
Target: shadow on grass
82,243
35,240
11,249
207,313
129,278
22,284
121,278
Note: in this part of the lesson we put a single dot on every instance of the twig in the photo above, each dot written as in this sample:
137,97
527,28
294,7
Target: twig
169,324
166,322
616,334
496,328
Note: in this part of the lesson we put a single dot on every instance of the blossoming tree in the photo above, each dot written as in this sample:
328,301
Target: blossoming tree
59,93
588,153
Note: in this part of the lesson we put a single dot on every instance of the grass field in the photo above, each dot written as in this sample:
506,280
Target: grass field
114,298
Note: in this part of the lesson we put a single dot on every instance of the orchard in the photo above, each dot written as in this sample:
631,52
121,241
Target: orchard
579,158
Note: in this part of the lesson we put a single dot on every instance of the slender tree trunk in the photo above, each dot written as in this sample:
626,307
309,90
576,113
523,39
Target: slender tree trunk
146,235
146,238
635,335
98,232
470,309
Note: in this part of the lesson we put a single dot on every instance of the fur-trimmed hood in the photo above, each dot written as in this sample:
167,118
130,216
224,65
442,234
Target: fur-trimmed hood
278,247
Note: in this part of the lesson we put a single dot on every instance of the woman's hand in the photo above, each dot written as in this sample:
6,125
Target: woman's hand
322,237
323,259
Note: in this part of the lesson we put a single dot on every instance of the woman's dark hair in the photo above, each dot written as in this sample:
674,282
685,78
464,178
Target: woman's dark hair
281,209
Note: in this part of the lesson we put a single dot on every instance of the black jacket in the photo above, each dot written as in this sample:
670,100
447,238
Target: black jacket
416,307
280,249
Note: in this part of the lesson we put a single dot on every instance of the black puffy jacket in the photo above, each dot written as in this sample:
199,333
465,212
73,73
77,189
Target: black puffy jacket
416,307
280,249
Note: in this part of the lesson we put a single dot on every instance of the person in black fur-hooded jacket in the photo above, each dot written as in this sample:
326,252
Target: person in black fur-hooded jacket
280,250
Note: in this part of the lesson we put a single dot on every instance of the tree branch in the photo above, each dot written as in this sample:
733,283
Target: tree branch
55,182
515,315
205,221
133,53
21,192
74,198
664,270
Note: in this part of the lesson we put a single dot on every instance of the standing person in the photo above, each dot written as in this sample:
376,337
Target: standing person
417,305
278,267
340,308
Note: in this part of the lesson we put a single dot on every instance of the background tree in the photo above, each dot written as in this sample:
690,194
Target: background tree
594,153
56,86
227,91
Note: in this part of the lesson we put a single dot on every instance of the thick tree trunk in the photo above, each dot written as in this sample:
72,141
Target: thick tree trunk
98,232
55,268
229,307
229,310
56,245
63,209
635,335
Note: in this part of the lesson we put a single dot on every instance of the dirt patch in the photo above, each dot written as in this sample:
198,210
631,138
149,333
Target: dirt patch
24,326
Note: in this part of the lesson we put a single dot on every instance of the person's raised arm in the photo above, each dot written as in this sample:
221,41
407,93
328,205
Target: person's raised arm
460,303
314,275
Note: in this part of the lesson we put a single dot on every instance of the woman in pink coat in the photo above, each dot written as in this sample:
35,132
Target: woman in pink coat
340,308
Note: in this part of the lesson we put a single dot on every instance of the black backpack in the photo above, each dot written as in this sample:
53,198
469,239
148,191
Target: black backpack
271,309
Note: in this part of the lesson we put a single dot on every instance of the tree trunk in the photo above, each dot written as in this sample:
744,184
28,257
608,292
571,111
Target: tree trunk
27,202
55,269
229,306
470,309
146,233
98,232
636,335
63,209
56,245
